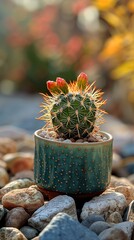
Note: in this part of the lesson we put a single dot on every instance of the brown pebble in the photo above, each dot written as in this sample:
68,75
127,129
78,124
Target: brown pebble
4,177
8,233
17,217
7,145
28,198
19,161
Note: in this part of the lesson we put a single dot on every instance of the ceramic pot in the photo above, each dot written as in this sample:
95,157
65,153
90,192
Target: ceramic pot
76,169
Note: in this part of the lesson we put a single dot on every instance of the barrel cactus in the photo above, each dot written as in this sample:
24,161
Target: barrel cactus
73,110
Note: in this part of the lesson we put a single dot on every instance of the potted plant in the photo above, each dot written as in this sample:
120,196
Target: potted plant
72,156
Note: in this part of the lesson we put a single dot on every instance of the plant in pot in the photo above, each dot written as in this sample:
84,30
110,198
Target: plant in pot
72,156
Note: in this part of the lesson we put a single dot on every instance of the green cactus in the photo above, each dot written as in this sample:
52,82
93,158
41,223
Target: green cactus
73,115
73,110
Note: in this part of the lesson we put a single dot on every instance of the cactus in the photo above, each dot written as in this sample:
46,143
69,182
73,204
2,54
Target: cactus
74,109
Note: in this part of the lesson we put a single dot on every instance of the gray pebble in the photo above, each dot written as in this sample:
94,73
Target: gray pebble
29,232
113,234
114,217
127,227
64,227
91,219
67,141
99,226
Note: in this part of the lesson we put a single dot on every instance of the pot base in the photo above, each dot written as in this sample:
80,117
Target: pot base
80,199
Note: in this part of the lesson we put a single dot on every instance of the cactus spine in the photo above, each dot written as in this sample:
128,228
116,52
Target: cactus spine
74,109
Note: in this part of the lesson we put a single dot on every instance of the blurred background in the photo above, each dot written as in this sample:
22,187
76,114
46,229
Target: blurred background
43,39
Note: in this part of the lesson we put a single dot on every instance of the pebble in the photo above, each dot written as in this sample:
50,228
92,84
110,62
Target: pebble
131,178
3,164
7,145
67,141
127,191
28,198
8,233
16,217
29,232
93,139
43,215
63,226
114,217
79,141
19,161
24,174
4,177
127,227
112,234
117,162
17,184
116,181
104,205
87,222
99,226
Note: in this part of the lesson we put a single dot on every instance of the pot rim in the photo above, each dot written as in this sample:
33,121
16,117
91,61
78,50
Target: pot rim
108,135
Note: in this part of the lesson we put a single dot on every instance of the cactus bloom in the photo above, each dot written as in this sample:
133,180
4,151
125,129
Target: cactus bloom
52,87
62,85
82,81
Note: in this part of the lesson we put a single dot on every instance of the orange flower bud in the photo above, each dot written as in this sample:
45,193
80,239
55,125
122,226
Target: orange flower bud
52,87
62,85
82,81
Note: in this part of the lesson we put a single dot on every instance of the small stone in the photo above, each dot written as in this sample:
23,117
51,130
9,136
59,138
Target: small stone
115,182
117,162
7,145
24,174
127,191
114,217
63,226
4,177
29,232
72,139
92,139
131,178
87,222
104,205
67,141
17,184
104,138
7,233
3,164
127,227
20,161
43,133
79,141
43,215
61,139
112,234
28,198
99,226
16,217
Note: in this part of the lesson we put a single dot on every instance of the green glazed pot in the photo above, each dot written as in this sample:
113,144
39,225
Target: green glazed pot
73,168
